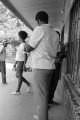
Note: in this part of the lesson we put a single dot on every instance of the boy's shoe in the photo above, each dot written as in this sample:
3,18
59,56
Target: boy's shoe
15,93
35,117
29,88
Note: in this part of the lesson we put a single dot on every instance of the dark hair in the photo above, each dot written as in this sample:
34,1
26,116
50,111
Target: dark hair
42,16
23,34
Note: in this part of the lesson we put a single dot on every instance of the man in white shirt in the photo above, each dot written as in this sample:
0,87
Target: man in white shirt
2,61
43,47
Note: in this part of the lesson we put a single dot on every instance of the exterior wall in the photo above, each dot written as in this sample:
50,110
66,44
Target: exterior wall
68,5
71,95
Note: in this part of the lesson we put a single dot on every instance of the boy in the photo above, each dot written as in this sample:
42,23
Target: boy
20,62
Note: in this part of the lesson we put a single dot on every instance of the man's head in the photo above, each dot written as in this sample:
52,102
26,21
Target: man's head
41,16
22,35
5,43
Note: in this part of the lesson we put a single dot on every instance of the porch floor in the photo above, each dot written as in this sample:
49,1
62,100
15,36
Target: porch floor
21,107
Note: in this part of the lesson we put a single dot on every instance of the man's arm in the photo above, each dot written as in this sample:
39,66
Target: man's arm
29,48
35,39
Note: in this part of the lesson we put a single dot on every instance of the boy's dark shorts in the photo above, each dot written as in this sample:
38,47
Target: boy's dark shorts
19,68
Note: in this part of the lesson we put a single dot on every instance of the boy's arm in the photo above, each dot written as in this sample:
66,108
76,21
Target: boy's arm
25,60
15,64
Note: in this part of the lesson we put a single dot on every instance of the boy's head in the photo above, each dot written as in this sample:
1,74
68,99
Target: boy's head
23,35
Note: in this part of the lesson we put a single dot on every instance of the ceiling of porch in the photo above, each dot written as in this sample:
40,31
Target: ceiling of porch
27,9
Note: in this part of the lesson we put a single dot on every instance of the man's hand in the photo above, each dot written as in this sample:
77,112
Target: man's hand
5,44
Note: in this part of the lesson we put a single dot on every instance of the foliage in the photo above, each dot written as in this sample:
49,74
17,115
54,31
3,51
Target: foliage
9,27
7,19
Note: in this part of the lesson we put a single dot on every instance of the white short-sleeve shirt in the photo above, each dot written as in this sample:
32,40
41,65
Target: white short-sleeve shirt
20,54
45,41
